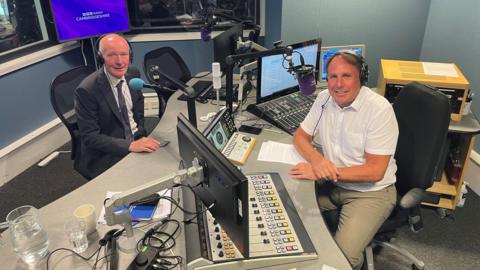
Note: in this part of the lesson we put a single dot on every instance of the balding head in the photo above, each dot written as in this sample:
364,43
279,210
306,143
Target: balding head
115,52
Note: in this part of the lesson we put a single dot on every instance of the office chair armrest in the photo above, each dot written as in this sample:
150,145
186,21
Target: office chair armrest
412,198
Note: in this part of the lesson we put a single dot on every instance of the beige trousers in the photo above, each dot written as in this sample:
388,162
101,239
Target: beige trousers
360,216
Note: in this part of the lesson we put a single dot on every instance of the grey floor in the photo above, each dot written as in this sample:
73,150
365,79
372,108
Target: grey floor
447,243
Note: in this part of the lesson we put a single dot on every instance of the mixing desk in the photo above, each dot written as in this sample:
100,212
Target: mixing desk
276,234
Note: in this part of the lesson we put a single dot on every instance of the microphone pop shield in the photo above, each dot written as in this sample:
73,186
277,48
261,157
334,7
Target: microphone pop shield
136,84
206,32
306,79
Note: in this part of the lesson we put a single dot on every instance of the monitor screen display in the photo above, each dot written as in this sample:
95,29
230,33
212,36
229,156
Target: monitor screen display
327,52
274,79
78,19
224,185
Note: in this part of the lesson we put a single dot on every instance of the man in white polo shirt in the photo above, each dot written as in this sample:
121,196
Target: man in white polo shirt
356,132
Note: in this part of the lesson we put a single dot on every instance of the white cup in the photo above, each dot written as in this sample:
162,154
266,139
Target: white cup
86,212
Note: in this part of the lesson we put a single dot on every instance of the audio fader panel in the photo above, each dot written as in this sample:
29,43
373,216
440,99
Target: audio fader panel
271,230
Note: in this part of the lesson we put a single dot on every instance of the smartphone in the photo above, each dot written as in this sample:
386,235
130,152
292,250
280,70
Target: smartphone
250,129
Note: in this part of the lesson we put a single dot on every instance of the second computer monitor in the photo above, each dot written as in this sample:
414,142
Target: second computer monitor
327,52
225,44
273,78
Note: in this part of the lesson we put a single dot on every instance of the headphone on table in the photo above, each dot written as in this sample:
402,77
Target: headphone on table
359,63
98,55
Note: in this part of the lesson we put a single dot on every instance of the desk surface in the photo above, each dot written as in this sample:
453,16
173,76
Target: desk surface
139,168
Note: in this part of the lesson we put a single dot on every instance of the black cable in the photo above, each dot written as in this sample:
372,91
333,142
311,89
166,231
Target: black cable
67,249
96,259
196,77
188,221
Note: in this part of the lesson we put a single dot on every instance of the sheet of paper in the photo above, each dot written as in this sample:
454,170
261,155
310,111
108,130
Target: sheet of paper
279,152
440,69
163,208
328,267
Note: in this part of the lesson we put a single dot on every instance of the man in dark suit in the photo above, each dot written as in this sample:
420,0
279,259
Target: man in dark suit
109,114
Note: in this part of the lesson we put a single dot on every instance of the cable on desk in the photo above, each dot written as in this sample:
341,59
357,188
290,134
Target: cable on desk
72,251
162,241
201,76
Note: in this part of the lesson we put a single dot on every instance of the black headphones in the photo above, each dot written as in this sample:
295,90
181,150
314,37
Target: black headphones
99,57
359,63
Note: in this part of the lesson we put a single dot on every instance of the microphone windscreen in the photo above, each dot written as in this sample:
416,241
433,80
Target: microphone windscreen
306,79
136,84
206,33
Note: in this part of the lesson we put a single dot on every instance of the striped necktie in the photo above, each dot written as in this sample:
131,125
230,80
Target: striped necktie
123,110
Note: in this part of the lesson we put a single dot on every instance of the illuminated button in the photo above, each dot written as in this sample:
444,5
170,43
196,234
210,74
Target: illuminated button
289,248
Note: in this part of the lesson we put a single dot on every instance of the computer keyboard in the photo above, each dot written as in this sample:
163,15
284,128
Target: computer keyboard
286,112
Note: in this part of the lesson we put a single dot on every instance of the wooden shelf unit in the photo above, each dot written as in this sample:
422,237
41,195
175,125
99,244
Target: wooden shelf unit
461,135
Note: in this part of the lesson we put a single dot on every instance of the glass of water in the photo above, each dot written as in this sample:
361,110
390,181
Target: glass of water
77,234
29,239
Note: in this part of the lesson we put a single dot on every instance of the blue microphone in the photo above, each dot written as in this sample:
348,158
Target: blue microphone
137,84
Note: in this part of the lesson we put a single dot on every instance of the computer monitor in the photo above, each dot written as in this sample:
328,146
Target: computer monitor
219,131
224,185
225,44
327,52
274,80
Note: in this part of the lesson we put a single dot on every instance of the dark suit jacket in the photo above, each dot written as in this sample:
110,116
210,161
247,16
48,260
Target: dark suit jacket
102,141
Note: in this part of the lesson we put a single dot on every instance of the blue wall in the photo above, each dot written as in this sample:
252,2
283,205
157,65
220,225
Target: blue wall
452,36
390,29
406,30
25,96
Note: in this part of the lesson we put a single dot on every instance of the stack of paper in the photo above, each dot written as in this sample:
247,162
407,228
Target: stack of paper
279,152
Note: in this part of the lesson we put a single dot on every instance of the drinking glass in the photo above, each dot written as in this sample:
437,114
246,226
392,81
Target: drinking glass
77,234
29,239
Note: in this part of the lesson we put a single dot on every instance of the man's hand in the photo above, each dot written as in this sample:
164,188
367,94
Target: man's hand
324,169
303,170
144,144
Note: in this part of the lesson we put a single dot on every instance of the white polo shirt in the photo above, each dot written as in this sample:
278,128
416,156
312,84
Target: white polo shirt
344,135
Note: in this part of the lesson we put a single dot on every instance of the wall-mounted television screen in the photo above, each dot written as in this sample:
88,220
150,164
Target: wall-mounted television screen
78,19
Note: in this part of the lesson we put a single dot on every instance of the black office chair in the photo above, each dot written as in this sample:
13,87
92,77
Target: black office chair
423,116
168,61
61,97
